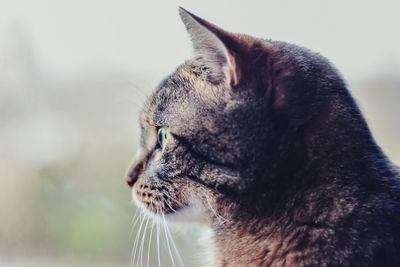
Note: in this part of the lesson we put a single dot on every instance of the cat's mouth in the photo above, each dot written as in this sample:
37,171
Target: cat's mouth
156,199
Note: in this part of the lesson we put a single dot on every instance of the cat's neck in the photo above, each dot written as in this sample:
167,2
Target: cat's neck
237,244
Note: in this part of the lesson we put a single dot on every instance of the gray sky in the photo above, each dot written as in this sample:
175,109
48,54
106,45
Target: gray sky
147,38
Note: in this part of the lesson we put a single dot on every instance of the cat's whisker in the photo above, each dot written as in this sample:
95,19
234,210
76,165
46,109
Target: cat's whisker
166,227
230,176
139,218
138,234
169,206
220,219
135,104
141,94
158,241
134,216
167,240
173,199
149,246
173,243
142,244
139,214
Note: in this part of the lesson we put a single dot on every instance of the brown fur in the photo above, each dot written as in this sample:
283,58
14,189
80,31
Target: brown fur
268,147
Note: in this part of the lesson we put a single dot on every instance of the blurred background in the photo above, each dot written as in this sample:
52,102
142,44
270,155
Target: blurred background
73,75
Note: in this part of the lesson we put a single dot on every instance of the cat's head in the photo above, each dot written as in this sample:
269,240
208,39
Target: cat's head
225,121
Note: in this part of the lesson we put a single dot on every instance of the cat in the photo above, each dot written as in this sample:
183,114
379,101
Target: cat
262,141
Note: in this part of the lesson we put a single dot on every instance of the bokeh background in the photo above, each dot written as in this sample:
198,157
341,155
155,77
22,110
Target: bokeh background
73,75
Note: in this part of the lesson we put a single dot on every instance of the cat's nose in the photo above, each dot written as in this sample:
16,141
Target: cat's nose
133,173
129,182
131,178
134,170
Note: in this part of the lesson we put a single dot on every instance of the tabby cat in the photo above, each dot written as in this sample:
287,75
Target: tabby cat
262,141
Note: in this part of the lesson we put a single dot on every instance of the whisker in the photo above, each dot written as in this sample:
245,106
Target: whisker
149,247
172,198
138,234
158,241
167,240
140,92
219,217
140,252
169,206
173,244
134,215
139,213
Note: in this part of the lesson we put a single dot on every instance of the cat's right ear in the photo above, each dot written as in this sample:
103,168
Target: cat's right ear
211,48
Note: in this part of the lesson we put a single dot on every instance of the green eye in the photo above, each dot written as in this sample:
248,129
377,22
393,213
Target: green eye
162,136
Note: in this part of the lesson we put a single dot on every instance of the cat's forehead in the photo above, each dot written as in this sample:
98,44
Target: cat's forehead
184,77
174,94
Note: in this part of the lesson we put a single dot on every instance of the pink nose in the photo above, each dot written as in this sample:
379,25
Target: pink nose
130,182
133,173
136,168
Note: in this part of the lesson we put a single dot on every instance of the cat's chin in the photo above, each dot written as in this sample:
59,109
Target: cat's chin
192,212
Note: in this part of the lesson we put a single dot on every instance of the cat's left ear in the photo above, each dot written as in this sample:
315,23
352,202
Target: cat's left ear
212,48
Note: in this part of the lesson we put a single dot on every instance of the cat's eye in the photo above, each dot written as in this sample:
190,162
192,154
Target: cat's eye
162,136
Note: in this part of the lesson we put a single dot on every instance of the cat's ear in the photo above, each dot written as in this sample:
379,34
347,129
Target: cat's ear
211,48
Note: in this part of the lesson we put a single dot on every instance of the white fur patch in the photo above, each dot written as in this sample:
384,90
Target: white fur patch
192,213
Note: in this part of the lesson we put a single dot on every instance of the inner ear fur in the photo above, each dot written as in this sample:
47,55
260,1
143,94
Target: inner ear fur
213,48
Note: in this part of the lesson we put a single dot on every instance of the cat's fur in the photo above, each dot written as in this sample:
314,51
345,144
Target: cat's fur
268,147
